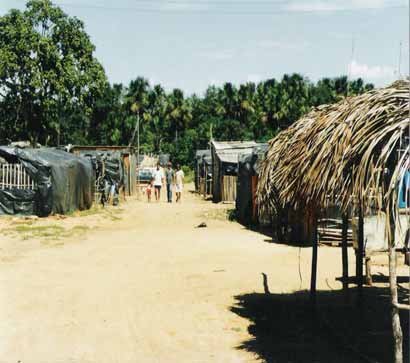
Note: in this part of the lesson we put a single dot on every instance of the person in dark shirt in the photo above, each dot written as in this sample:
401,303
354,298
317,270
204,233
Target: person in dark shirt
170,180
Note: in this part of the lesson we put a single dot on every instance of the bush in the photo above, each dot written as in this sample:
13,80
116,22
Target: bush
189,174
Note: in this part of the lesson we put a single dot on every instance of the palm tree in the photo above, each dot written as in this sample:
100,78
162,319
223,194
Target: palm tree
157,105
136,102
178,111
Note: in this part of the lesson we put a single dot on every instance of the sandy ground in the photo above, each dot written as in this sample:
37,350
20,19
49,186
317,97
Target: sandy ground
141,284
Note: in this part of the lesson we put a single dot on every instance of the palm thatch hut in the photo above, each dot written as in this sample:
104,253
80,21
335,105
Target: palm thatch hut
354,154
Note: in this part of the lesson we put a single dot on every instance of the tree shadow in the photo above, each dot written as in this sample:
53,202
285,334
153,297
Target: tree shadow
285,329
287,243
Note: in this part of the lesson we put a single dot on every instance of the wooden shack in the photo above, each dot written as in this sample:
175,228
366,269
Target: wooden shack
225,157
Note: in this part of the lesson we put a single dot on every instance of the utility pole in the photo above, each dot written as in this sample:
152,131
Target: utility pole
137,131
138,155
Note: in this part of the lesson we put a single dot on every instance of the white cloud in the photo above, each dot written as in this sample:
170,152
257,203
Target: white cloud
215,82
282,45
371,72
337,5
217,54
176,5
255,78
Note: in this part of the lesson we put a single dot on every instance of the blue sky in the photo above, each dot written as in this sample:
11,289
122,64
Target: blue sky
190,44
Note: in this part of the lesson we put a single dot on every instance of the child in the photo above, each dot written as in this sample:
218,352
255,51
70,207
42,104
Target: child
149,189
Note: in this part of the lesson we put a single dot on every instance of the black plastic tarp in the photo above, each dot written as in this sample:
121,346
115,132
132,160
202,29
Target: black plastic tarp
63,182
201,157
108,170
248,166
163,159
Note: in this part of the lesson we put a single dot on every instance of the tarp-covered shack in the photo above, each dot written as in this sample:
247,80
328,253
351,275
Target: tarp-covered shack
200,172
117,164
225,157
44,181
248,172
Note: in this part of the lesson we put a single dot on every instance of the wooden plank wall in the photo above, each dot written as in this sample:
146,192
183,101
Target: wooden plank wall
229,188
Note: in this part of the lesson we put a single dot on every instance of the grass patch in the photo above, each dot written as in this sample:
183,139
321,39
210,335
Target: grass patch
189,174
112,213
29,231
46,233
87,212
220,214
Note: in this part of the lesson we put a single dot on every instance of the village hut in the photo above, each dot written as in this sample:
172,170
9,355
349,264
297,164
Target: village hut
354,154
248,175
225,157
44,181
113,165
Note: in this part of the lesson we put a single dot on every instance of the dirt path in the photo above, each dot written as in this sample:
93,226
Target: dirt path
142,286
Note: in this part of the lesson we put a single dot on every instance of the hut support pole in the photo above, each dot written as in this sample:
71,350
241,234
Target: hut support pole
314,265
360,253
345,261
396,327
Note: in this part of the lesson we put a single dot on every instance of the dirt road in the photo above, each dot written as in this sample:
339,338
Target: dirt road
142,285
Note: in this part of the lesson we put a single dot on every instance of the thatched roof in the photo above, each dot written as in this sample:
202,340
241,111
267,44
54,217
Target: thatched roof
341,151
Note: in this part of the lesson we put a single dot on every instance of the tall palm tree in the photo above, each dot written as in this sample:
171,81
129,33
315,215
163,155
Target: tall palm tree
157,105
136,102
178,111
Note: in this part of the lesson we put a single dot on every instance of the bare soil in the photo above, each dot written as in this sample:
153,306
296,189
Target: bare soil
140,283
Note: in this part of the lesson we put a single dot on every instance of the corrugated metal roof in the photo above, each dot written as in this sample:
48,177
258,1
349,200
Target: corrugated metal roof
226,145
201,153
232,155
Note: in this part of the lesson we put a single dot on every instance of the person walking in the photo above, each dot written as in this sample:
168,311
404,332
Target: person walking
158,177
170,180
179,176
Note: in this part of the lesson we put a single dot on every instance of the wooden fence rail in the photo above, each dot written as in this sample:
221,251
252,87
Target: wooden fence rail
14,176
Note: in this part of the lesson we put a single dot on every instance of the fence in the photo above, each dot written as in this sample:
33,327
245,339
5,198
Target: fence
14,176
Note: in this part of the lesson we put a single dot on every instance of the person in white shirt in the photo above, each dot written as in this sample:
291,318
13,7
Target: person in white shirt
158,177
179,178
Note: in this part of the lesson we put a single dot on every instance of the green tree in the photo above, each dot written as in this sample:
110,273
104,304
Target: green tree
179,112
47,70
136,103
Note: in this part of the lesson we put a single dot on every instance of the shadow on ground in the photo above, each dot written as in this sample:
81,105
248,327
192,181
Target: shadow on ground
285,329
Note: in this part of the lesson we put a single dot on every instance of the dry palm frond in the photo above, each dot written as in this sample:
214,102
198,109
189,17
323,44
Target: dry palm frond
343,151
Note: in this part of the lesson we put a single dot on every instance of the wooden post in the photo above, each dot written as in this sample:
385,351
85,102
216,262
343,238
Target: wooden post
345,257
314,265
396,327
360,252
369,279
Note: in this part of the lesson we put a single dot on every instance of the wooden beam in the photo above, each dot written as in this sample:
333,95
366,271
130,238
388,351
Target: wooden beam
402,306
313,277
369,279
396,327
360,252
345,256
